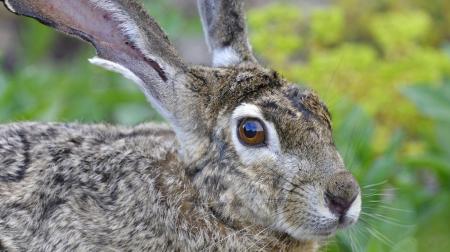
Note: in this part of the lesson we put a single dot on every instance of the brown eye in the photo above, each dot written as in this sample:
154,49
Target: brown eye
251,132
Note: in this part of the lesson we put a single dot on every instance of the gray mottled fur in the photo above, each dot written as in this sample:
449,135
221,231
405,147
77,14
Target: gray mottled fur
190,187
100,187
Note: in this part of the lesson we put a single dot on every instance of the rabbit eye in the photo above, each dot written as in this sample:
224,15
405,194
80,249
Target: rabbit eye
251,132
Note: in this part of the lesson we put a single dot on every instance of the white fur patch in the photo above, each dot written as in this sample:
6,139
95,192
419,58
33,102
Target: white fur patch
112,66
223,57
9,6
251,155
355,209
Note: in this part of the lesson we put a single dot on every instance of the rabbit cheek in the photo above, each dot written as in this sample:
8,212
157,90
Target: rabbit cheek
299,217
261,182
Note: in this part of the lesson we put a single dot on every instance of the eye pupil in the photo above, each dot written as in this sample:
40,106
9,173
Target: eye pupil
251,132
250,129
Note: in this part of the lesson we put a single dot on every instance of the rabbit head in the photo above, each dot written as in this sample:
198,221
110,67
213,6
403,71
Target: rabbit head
258,149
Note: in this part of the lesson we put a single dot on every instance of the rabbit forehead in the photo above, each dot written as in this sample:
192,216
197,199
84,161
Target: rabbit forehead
227,88
301,119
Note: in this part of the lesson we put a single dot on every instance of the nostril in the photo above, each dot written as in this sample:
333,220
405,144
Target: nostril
338,205
340,192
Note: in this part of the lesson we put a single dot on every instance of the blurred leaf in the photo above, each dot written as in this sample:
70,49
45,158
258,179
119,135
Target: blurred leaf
433,234
431,101
327,25
37,40
443,137
387,164
276,31
398,31
409,244
437,163
133,114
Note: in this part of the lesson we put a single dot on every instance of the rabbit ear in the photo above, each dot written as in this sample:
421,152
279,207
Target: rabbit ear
126,38
225,31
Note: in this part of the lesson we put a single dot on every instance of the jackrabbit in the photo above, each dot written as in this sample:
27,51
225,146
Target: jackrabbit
249,162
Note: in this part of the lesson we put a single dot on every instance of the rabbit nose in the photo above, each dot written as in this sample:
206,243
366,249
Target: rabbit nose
342,189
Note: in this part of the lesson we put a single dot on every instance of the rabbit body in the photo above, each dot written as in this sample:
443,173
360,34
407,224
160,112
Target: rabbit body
72,187
248,164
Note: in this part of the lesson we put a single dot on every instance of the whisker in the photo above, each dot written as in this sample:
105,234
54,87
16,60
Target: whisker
386,220
375,184
378,235
396,209
388,208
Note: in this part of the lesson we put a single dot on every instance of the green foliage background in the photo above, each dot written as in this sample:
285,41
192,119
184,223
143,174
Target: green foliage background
381,66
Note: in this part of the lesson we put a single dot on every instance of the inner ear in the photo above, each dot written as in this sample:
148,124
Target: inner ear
107,25
80,18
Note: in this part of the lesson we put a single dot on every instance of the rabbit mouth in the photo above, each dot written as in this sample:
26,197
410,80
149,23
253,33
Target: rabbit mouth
333,226
322,232
322,223
341,223
329,231
345,221
325,233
